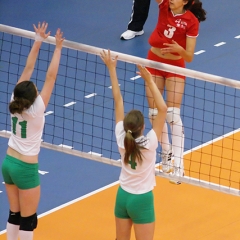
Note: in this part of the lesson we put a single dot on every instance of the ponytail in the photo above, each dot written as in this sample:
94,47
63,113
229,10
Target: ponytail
18,105
25,94
133,125
132,149
195,6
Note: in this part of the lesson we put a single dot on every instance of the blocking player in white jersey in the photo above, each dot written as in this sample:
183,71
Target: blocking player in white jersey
134,202
20,166
173,42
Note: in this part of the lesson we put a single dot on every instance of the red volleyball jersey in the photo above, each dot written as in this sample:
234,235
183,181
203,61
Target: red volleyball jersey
173,27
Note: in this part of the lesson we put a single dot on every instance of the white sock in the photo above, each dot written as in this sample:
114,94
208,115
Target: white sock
178,143
26,235
164,141
12,231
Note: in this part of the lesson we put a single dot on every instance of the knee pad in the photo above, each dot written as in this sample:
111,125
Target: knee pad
173,115
14,218
29,223
152,113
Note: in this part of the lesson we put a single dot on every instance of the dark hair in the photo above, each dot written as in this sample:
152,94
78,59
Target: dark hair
25,94
133,124
195,6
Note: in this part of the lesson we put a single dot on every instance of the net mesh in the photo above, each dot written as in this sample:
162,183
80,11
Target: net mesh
80,115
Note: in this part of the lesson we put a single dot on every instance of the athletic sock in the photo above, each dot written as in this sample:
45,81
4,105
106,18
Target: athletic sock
164,141
26,235
178,144
12,231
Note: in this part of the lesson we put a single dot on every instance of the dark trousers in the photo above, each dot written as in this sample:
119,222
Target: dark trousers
139,15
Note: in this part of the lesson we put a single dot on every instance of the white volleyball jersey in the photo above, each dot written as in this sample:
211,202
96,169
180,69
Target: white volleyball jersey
27,128
138,178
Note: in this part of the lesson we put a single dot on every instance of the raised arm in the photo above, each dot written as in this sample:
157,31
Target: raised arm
52,69
159,121
111,64
32,56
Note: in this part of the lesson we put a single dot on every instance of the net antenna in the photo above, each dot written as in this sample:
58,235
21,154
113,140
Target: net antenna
80,116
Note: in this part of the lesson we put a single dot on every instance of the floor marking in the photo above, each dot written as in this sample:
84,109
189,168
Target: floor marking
69,104
199,52
111,86
48,113
65,146
91,95
219,44
237,37
136,77
42,172
94,153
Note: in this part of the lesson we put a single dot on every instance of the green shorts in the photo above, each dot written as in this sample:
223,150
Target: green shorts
23,175
137,207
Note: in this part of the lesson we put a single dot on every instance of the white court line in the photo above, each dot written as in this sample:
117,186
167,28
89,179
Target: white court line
199,52
69,104
212,141
91,95
134,78
73,201
111,86
78,199
219,44
238,37
48,113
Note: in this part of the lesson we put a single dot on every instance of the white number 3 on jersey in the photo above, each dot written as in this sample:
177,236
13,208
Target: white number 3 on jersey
169,32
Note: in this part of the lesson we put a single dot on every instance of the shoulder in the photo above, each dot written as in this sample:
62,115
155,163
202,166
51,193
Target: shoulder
119,129
38,107
192,18
153,140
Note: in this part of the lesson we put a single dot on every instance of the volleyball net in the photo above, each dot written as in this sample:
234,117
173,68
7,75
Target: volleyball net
80,115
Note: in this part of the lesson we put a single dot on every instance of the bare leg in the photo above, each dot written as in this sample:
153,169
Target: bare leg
123,228
175,90
14,217
144,231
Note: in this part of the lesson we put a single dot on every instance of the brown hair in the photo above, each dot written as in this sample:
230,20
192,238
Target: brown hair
133,124
25,94
195,6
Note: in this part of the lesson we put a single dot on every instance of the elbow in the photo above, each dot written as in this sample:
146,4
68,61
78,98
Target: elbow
164,109
190,59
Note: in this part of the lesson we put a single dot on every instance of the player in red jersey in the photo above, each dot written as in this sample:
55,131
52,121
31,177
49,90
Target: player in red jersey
173,42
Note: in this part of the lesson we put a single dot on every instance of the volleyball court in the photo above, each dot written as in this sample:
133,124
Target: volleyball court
79,119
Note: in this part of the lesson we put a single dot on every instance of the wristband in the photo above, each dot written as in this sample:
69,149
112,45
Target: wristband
38,38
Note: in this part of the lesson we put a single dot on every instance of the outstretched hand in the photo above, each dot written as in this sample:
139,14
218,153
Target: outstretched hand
144,73
108,59
59,38
41,30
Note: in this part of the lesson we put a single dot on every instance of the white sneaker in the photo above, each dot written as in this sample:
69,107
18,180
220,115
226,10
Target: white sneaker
167,164
176,175
178,172
130,34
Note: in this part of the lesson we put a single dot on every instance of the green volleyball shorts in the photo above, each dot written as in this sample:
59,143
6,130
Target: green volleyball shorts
137,207
23,175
